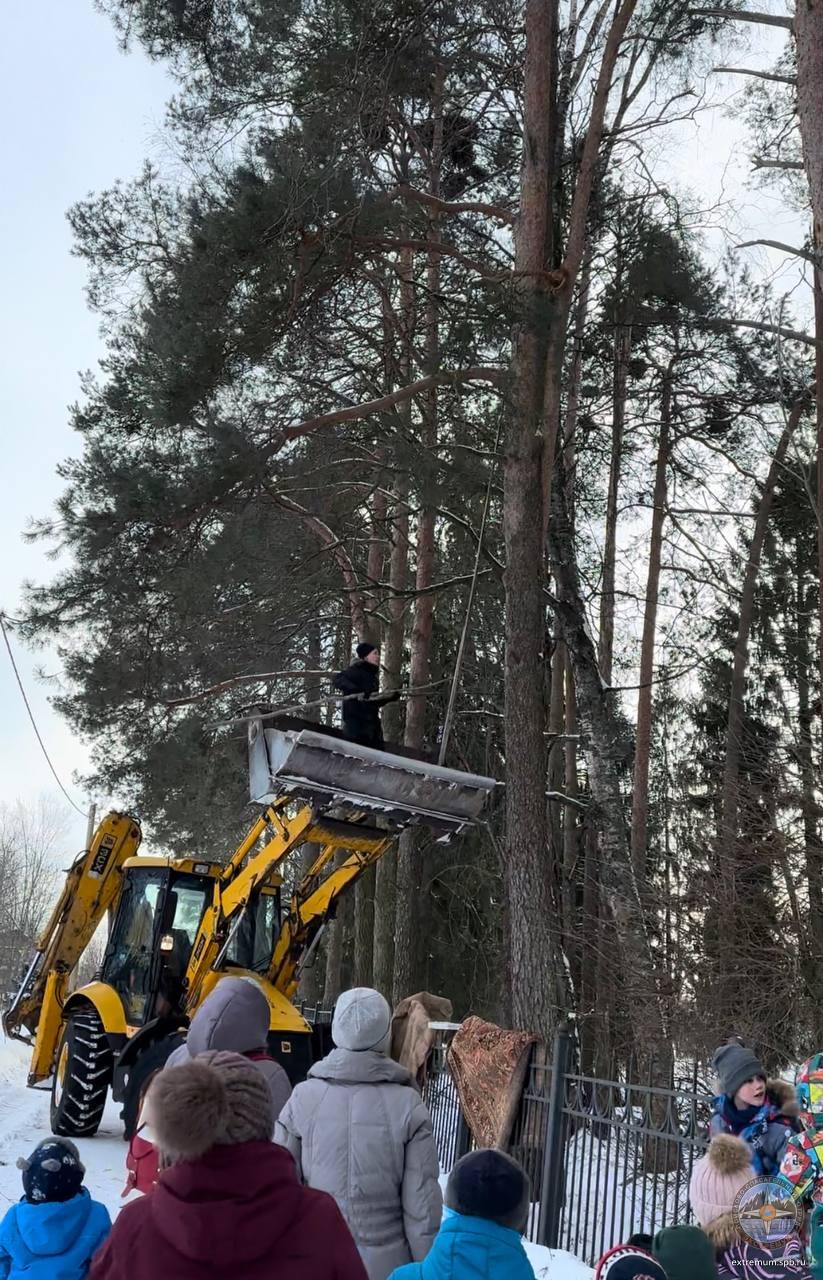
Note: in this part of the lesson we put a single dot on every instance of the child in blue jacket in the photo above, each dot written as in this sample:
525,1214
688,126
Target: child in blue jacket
487,1209
55,1230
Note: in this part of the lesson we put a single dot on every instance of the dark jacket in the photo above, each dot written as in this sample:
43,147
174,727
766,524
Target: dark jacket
745,1261
766,1129
52,1241
361,716
240,1211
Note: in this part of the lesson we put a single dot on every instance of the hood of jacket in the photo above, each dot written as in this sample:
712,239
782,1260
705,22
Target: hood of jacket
234,1017
49,1229
230,1207
474,1249
345,1066
785,1097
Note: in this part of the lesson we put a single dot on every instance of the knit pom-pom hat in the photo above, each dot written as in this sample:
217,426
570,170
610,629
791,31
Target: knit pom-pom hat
625,1262
719,1177
216,1099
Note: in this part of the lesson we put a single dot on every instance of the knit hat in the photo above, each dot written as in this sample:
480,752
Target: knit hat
216,1099
809,1085
734,1065
489,1184
362,1020
719,1177
53,1172
364,649
685,1253
625,1262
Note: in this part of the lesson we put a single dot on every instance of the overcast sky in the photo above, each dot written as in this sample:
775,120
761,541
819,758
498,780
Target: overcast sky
78,114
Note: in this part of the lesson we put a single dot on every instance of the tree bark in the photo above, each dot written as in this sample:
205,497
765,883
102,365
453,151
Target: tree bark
643,737
620,376
533,994
386,875
411,918
808,34
740,661
608,753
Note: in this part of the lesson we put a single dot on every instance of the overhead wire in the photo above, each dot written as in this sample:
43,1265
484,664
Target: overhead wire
32,719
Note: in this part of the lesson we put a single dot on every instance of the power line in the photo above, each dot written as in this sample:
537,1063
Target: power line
33,721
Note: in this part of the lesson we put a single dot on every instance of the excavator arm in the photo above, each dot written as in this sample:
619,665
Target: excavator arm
314,900
92,887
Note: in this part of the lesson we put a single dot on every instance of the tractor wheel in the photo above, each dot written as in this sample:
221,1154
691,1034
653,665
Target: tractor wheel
82,1076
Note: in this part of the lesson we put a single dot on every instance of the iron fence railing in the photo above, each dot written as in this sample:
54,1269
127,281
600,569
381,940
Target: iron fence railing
608,1156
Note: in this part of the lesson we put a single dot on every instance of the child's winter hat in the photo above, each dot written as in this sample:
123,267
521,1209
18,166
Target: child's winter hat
719,1177
215,1099
489,1184
626,1262
362,1021
53,1172
809,1088
364,649
734,1065
685,1253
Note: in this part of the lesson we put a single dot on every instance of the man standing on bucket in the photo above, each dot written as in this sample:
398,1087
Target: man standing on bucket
361,714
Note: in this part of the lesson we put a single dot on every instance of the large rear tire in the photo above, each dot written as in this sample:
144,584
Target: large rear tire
82,1076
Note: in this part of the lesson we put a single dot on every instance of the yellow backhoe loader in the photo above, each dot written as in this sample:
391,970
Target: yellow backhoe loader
178,924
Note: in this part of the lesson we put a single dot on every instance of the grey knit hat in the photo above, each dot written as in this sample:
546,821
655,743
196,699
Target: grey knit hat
734,1065
362,1021
215,1099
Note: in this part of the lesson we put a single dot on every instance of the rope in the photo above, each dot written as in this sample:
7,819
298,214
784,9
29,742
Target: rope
33,721
447,723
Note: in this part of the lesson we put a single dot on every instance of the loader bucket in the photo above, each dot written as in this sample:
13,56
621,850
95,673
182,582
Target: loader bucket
334,773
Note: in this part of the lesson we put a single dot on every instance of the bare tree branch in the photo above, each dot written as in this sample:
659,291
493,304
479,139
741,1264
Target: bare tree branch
742,15
763,162
778,244
450,206
355,413
333,544
760,75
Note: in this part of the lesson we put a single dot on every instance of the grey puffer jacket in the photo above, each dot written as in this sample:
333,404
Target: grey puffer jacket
359,1130
235,1017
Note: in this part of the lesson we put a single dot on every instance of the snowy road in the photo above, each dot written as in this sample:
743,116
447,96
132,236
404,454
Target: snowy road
24,1120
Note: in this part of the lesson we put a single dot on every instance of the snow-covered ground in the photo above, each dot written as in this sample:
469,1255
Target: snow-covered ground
24,1121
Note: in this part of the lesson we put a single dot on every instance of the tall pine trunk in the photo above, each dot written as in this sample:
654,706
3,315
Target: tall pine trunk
411,923
620,375
530,981
808,35
643,737
386,874
740,661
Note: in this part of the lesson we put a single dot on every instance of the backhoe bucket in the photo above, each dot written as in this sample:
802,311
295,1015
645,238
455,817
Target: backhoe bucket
334,773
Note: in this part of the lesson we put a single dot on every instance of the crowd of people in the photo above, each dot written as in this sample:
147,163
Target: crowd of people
243,1178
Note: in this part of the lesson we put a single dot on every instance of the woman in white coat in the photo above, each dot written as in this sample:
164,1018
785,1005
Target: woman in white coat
358,1129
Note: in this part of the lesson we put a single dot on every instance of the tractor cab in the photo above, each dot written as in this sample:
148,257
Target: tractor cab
159,913
161,908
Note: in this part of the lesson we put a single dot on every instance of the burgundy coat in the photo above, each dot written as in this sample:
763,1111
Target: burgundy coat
240,1211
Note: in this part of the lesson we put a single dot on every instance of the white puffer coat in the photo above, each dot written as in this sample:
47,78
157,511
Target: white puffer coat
359,1130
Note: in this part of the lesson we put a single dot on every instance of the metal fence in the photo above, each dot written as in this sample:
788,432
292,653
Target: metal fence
608,1157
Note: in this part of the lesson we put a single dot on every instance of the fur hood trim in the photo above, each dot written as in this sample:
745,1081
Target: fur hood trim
729,1155
785,1096
724,1232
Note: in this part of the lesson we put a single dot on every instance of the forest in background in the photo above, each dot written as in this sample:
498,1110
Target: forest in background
412,344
